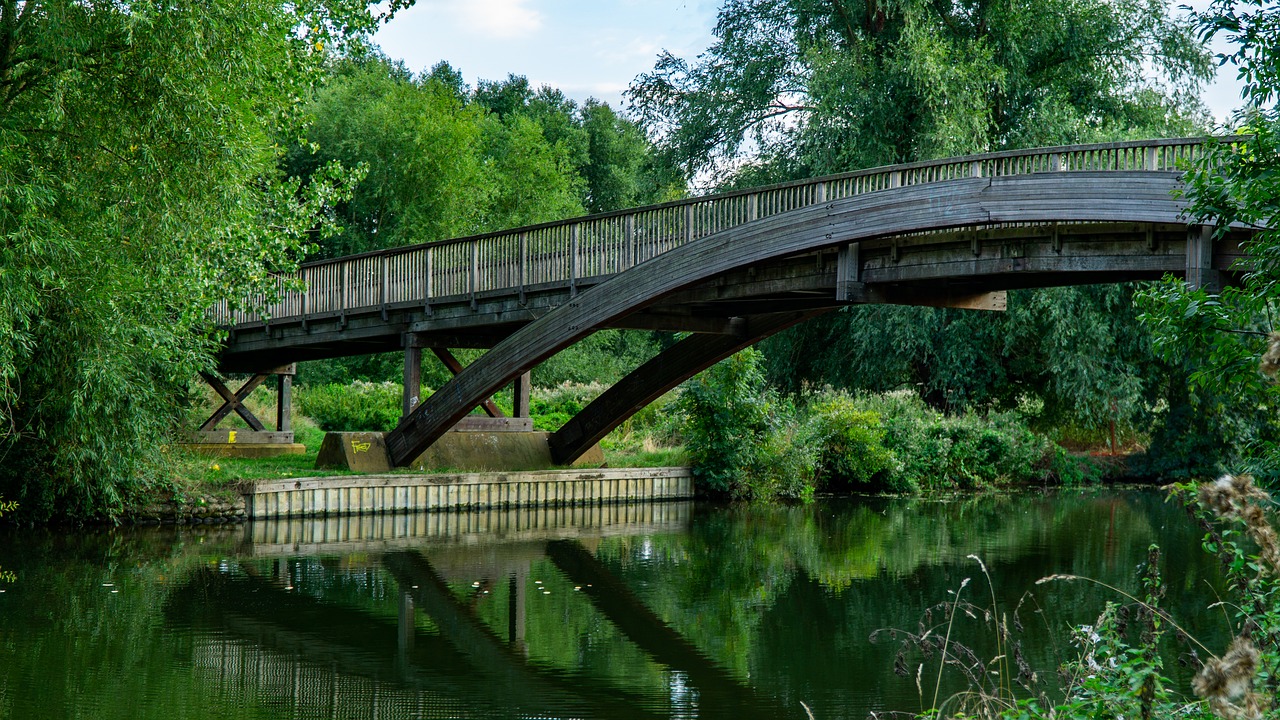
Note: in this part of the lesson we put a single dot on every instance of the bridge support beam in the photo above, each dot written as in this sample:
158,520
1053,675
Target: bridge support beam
412,394
656,377
1200,270
257,440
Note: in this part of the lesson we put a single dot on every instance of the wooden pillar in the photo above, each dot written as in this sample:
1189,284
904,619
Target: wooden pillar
521,395
516,596
1200,270
412,380
284,402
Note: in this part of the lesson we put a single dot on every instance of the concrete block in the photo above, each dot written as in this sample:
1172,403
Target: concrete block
359,451
481,451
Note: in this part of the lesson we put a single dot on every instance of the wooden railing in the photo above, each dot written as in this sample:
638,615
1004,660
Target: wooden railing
568,252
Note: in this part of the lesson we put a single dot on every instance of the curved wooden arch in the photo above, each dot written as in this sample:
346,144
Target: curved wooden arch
656,377
1104,197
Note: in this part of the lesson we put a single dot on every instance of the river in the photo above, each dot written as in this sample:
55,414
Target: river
671,610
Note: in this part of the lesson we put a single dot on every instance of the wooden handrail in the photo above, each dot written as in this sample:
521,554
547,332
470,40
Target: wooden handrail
568,251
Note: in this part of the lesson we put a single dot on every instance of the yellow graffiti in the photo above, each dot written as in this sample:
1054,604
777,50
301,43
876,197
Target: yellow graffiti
231,437
360,447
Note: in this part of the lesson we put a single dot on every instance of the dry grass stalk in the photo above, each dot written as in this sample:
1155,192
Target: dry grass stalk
1227,683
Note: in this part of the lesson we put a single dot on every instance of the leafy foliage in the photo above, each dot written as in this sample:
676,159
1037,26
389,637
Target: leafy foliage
358,406
745,440
442,162
820,87
1074,350
1216,335
138,152
738,437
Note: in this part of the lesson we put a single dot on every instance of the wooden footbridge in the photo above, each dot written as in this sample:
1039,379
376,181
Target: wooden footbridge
731,269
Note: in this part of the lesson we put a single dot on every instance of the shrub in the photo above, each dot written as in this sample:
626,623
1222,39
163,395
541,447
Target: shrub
933,451
360,406
552,407
852,440
742,439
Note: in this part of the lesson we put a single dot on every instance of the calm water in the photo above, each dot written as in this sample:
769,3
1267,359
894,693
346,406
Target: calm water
663,611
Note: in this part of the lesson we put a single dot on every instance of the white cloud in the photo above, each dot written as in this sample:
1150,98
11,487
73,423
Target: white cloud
501,19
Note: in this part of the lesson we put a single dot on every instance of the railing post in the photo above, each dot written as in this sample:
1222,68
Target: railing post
1152,159
475,272
820,193
895,179
753,207
306,296
573,260
346,288
629,241
688,224
975,169
1055,162
382,285
426,280
522,262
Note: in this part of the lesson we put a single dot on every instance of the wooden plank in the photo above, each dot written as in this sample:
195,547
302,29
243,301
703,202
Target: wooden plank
233,401
476,423
240,437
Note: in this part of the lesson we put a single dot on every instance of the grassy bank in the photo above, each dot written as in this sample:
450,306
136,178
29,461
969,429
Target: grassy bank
744,440
648,439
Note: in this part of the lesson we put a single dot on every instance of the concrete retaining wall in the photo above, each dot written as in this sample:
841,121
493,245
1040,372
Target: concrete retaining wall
312,497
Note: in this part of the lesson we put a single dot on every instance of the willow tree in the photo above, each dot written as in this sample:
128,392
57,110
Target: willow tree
139,146
819,86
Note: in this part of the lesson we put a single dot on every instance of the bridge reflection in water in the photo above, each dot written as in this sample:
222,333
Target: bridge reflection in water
428,616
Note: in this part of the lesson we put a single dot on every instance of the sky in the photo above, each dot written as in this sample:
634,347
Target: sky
585,48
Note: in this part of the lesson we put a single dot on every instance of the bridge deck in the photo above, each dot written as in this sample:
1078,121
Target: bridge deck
473,292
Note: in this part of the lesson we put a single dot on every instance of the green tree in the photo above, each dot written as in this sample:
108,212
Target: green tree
1216,336
610,153
530,180
139,161
820,86
420,148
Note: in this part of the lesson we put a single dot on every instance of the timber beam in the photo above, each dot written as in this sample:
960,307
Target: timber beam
490,407
656,377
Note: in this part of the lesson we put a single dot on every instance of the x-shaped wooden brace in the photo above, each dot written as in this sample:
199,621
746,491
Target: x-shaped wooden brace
233,401
455,367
